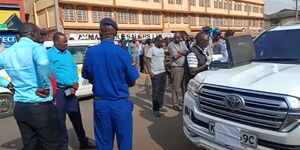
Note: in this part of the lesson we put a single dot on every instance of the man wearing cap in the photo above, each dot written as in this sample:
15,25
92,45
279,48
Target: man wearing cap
108,67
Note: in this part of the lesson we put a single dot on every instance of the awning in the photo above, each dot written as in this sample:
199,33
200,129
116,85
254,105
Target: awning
13,22
9,7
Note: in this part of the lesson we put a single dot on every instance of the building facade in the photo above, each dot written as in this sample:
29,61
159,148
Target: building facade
80,18
282,17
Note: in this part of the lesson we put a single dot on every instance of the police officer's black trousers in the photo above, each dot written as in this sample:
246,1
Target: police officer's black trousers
38,124
158,90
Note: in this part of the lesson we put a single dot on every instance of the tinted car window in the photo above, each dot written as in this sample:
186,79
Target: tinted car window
278,44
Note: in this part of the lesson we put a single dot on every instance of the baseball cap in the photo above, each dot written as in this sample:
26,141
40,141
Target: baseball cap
108,22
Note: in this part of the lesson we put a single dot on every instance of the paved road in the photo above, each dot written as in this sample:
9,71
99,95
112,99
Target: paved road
150,133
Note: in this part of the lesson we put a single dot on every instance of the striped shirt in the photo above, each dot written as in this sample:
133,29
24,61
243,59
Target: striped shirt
192,58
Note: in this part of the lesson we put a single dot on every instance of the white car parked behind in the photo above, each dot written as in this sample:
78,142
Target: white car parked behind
77,49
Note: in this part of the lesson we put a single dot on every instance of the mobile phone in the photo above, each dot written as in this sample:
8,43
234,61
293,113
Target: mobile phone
68,92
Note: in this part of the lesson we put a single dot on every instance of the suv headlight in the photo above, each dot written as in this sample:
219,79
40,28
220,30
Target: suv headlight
193,87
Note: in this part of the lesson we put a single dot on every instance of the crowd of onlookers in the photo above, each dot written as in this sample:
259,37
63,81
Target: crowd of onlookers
44,82
178,58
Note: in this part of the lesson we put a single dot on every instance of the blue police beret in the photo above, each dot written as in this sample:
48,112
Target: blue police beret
108,21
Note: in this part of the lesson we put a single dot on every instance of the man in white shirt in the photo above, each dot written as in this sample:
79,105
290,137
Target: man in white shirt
155,59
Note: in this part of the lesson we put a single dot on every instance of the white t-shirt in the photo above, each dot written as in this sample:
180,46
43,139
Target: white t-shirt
157,56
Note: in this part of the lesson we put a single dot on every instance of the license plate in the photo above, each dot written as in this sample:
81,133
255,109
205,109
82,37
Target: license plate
246,138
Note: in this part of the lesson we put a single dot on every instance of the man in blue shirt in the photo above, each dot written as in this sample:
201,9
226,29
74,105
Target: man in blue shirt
26,63
65,72
108,67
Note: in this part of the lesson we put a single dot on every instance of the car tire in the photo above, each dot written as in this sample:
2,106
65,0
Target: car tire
7,105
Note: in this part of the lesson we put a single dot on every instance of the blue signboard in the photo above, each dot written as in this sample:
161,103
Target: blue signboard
7,39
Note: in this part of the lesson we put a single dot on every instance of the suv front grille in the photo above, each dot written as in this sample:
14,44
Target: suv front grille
261,109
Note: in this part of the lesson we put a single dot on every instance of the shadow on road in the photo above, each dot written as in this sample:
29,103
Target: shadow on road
17,144
146,96
165,131
14,144
73,140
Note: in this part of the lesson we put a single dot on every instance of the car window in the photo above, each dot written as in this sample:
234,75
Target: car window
78,53
278,44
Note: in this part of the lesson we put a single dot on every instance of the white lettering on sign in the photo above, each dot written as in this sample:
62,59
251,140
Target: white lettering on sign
128,36
8,39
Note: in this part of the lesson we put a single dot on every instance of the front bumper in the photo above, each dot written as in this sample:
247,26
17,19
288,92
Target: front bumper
196,130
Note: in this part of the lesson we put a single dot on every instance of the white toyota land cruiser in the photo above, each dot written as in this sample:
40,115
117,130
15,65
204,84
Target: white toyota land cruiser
253,106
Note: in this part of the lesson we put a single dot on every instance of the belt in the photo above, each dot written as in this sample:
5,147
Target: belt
178,66
62,86
99,99
36,103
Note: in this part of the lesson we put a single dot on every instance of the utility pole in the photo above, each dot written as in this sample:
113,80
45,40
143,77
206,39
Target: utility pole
297,10
57,19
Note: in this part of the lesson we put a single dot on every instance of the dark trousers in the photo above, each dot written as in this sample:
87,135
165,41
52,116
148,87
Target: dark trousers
69,105
141,63
158,90
38,124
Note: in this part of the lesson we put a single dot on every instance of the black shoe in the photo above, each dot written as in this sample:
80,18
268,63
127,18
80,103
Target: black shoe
87,146
156,114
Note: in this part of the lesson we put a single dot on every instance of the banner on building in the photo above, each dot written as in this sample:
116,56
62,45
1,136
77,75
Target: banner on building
128,36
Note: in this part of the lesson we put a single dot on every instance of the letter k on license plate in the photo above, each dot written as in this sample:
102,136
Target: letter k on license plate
232,136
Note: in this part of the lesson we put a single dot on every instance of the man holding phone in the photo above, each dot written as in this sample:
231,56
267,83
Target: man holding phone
65,72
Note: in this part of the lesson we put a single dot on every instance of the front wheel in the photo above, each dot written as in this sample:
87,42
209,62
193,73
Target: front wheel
7,105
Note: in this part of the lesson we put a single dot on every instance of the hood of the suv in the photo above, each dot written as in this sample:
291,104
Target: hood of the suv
266,77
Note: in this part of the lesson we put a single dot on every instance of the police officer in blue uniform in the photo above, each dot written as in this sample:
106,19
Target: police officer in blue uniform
108,67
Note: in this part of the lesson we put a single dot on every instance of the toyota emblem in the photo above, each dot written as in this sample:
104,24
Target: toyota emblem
234,102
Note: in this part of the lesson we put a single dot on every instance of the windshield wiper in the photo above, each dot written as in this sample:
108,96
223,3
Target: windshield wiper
277,59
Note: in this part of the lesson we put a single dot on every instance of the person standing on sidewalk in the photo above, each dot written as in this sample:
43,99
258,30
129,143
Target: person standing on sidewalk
141,48
197,59
65,71
177,50
155,59
108,68
135,52
26,63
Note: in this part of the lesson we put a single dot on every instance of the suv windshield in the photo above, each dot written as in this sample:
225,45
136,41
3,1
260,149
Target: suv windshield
78,53
278,46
